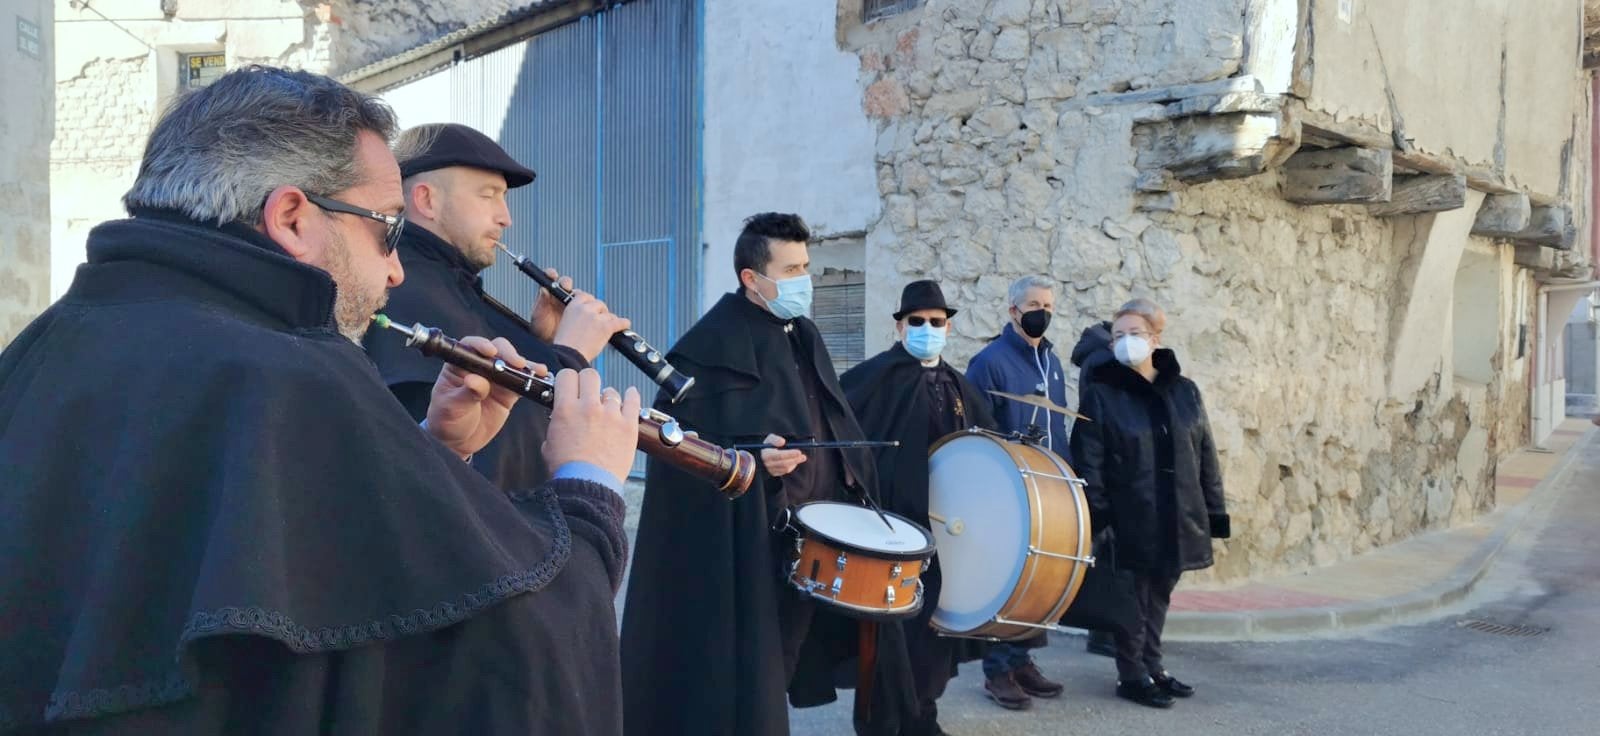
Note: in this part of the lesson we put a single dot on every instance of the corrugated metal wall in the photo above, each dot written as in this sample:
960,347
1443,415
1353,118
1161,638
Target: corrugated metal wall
604,109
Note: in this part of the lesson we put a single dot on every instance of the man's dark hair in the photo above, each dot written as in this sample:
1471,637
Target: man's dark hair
753,250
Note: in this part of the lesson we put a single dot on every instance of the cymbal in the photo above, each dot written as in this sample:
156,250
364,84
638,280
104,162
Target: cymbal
1042,403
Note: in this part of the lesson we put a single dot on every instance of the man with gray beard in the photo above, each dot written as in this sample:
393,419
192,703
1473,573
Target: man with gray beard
215,518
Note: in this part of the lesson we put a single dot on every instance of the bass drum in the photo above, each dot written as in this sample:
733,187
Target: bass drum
1011,525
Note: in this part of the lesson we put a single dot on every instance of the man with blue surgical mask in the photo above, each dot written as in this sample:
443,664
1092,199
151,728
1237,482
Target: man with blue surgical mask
911,394
717,650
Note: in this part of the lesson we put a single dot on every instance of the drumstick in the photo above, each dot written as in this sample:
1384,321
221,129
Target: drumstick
821,445
954,527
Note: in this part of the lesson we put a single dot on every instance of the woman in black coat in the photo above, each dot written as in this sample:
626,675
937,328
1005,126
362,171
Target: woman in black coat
1151,473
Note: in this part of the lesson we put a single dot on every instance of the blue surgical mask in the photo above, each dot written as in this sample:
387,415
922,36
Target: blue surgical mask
794,297
925,342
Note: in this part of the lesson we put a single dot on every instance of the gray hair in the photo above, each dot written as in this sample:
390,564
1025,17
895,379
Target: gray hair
415,141
1019,288
218,151
1149,310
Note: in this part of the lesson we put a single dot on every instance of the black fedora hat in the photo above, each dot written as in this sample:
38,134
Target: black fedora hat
924,294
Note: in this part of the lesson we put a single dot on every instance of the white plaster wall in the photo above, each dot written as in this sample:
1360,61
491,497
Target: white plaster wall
26,126
1476,315
1441,59
784,127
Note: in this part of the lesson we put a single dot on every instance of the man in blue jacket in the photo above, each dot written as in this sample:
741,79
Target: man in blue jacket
1021,361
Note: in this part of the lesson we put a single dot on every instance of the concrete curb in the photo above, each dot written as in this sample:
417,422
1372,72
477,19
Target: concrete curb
1268,624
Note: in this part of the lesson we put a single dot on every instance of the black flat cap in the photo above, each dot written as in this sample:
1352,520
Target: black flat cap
924,294
451,144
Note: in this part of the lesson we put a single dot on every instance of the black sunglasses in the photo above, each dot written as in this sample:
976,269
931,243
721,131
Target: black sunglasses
917,320
393,224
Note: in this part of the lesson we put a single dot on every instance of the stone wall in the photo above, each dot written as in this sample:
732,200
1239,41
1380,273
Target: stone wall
1008,143
25,131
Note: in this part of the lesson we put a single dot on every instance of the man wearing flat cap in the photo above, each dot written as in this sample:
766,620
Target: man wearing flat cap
911,394
455,181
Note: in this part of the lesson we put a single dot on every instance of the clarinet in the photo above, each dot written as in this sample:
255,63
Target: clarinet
660,436
626,342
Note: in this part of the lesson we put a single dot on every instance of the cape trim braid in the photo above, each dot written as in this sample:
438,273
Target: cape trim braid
172,687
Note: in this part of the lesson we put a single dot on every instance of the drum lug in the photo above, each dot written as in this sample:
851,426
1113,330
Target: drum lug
841,561
838,586
894,570
888,595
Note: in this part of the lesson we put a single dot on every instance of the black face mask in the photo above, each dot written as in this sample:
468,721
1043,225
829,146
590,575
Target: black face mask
1035,322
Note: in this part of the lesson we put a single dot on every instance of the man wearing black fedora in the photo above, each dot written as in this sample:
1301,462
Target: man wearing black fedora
911,394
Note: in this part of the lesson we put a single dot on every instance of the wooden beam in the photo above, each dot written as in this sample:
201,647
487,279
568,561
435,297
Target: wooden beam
1322,126
1480,176
1208,148
1503,215
1214,104
1338,176
1549,226
1414,195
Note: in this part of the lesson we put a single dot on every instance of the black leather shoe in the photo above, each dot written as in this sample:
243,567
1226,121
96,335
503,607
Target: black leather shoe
1144,692
1171,686
1101,643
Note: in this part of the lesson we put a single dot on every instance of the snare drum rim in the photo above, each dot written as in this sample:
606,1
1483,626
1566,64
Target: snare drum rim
870,613
919,554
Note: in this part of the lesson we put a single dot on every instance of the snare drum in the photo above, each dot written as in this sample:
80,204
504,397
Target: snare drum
1012,526
846,557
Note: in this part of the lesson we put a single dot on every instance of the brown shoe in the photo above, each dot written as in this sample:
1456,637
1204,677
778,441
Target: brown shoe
1004,691
1033,682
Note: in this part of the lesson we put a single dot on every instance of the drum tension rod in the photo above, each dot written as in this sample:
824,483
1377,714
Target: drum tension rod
1052,476
1086,560
1046,627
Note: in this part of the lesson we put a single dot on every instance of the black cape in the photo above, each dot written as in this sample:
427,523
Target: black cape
890,399
442,290
702,644
214,519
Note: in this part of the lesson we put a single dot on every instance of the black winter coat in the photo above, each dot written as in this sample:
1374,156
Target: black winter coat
1151,466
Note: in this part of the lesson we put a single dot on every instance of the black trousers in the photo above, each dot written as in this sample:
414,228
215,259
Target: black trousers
1139,651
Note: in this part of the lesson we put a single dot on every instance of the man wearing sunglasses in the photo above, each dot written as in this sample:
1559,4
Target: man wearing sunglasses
456,180
215,518
911,394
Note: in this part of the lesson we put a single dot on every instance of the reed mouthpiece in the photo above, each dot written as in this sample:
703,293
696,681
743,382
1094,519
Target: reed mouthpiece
382,321
502,246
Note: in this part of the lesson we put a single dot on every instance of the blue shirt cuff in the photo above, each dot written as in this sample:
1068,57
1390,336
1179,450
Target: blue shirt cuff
578,470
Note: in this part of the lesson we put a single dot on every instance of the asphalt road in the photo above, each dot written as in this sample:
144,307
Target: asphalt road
1433,677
